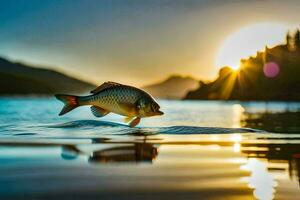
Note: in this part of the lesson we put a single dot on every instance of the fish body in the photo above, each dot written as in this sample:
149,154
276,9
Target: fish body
125,100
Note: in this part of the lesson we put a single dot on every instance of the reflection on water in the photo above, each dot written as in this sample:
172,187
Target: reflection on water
260,179
272,117
281,122
237,114
134,152
264,159
263,163
269,161
197,150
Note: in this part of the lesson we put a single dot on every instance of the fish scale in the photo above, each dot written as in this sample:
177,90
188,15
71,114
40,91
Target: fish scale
113,97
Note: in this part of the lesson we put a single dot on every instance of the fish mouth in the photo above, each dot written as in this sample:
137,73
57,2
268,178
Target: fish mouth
159,112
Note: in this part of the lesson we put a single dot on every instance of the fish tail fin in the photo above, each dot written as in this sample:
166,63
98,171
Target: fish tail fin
71,102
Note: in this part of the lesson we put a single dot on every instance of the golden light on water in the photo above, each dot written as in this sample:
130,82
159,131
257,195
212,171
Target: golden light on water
260,179
236,138
237,115
237,147
247,41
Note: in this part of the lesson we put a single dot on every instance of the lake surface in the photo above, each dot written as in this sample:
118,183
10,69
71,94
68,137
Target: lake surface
197,150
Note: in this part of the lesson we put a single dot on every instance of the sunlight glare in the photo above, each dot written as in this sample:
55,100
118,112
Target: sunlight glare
237,147
236,138
237,115
261,180
247,41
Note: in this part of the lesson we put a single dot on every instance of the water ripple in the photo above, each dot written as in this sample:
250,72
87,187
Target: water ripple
121,129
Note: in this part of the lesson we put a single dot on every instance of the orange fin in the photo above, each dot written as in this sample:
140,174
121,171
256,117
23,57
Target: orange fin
135,122
98,112
105,85
70,102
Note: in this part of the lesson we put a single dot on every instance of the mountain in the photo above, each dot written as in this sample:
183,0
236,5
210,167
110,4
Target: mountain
270,75
175,87
18,78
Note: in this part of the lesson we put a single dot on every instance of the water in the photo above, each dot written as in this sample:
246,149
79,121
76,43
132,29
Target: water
198,149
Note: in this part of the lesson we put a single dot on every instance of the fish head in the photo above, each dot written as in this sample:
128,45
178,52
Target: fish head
149,107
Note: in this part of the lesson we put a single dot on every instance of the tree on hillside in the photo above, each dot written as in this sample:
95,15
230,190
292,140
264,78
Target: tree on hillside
297,39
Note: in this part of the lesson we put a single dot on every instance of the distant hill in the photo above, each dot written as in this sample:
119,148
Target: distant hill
17,78
175,87
273,74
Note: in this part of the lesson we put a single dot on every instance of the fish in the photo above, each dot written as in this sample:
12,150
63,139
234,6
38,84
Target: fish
112,97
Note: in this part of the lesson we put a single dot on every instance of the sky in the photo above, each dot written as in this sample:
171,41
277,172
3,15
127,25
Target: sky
131,41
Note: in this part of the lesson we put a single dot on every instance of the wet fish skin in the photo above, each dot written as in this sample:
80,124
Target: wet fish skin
125,100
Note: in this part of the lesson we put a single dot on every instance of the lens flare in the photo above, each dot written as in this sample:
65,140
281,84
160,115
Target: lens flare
271,69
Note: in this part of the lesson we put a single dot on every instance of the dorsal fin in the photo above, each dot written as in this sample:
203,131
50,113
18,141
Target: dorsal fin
105,85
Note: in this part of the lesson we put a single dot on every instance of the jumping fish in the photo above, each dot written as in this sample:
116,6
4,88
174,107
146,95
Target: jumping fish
125,100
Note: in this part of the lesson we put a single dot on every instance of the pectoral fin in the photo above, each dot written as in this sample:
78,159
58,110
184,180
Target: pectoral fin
135,122
128,119
99,112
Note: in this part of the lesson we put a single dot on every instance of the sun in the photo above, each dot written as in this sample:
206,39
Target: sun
247,41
